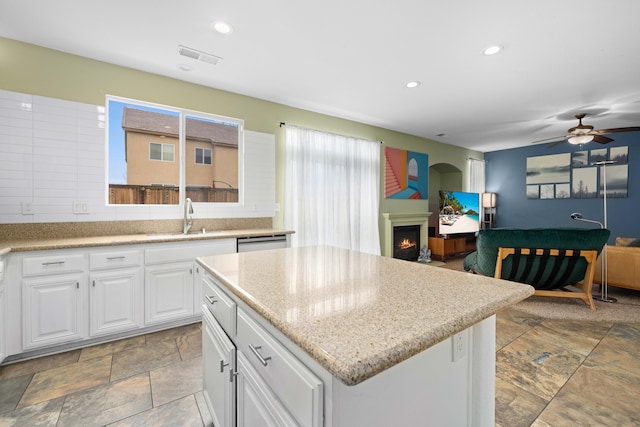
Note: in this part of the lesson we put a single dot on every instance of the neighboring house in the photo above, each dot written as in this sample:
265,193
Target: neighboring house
153,155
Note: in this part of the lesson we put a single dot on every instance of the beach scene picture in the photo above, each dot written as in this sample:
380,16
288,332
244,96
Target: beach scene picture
459,212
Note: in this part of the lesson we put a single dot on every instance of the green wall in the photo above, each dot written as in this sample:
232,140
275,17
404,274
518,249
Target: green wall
35,70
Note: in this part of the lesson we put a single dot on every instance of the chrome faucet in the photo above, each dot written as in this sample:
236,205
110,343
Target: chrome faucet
188,221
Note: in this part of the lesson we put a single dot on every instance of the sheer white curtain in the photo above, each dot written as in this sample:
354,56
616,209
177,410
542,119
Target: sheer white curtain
476,175
331,190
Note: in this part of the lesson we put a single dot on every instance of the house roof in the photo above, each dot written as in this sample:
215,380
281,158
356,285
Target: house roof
134,119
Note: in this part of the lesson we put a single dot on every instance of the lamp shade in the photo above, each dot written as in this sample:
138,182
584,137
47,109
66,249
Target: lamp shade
489,200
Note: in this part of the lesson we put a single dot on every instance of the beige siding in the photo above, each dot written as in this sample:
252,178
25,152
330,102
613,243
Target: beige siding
141,170
225,161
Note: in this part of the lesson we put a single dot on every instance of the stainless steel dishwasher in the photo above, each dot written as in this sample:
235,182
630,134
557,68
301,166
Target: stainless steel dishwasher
249,244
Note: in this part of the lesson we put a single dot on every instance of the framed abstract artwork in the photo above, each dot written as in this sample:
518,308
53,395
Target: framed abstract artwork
406,174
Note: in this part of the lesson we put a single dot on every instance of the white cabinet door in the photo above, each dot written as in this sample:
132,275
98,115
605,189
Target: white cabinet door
197,285
53,310
168,292
218,354
257,405
3,320
296,387
115,301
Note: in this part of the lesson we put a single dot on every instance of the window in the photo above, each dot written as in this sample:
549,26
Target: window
155,153
203,156
164,152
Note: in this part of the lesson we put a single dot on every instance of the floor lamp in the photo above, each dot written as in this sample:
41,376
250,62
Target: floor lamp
604,288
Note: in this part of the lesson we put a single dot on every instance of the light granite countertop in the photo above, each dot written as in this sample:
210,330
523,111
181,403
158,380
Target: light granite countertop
115,240
358,314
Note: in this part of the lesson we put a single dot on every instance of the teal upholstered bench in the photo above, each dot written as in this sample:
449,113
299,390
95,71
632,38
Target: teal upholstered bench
549,259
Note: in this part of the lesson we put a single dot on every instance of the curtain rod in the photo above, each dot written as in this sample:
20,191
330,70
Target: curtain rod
302,127
477,160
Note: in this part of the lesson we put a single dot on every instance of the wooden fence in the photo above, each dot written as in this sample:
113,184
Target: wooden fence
123,194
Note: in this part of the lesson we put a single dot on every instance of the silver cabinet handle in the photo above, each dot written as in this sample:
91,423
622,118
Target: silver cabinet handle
222,365
53,263
210,299
255,351
111,258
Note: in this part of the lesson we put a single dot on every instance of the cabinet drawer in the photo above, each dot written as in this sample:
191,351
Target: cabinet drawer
220,305
116,259
294,384
53,264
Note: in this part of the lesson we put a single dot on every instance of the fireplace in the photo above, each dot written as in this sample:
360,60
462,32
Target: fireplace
399,219
406,242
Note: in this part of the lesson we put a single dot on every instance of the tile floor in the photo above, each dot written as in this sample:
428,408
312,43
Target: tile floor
548,373
150,380
566,373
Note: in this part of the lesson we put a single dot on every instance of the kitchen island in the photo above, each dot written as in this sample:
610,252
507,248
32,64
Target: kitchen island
379,341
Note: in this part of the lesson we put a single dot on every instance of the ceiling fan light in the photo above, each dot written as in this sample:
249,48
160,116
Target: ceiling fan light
580,139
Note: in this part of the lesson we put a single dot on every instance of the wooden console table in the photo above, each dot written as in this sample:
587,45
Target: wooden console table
442,247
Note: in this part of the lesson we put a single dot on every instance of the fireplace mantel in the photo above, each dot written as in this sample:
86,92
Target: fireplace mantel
399,219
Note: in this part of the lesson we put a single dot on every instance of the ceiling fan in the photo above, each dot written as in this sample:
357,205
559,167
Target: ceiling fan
582,134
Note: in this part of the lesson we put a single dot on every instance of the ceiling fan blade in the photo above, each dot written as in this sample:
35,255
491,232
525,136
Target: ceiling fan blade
615,130
554,139
601,139
556,143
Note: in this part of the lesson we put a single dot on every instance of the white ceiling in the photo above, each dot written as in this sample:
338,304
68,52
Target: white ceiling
352,58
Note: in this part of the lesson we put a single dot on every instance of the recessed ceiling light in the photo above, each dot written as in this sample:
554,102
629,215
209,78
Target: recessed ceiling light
492,50
442,135
413,84
185,67
222,27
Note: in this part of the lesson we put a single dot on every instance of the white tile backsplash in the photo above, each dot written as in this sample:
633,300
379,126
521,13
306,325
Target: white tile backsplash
15,144
17,191
52,154
11,130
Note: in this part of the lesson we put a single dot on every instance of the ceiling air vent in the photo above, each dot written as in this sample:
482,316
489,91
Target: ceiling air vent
198,55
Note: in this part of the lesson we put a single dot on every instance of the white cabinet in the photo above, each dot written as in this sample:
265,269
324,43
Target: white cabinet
171,274
3,350
273,388
115,294
115,301
53,310
219,352
168,292
219,367
54,288
298,392
257,404
51,300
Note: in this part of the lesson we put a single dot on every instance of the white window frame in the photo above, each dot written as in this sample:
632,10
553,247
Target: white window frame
195,156
162,145
183,114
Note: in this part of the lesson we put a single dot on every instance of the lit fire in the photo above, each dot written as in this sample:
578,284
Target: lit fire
406,244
